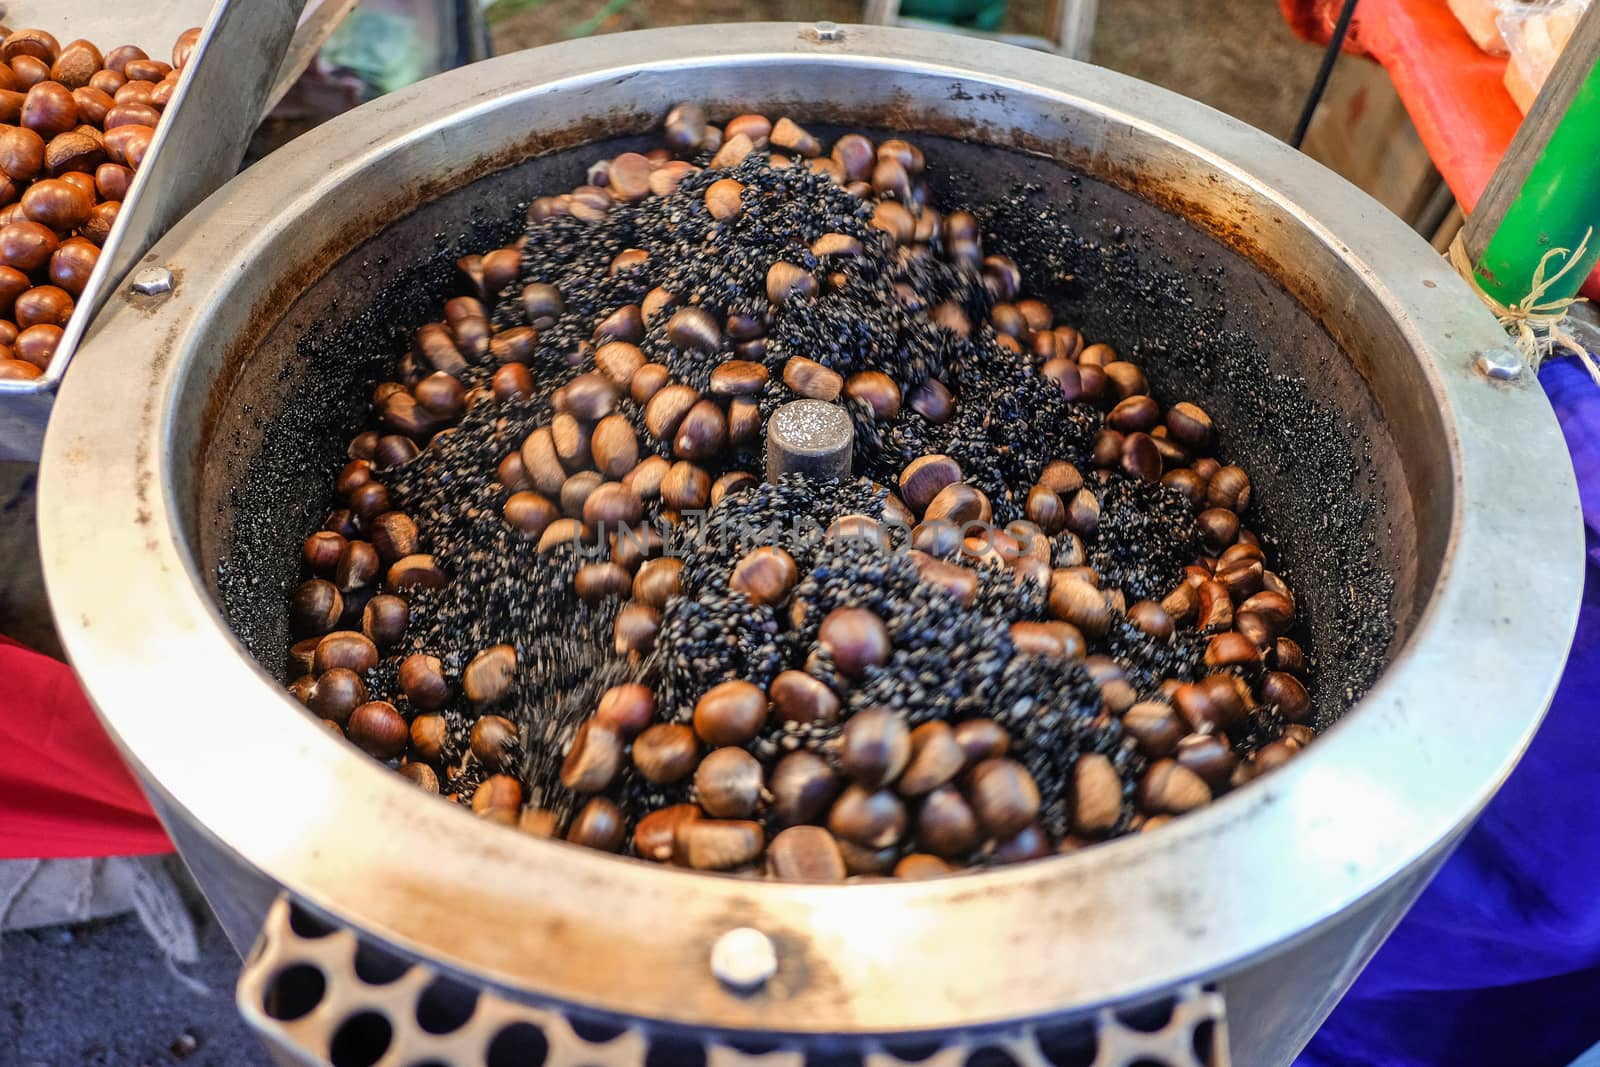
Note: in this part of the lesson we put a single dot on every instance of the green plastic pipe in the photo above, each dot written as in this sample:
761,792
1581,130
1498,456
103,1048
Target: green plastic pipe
1556,206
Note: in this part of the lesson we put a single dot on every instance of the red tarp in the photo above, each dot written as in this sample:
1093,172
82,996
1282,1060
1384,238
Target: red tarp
1454,92
64,791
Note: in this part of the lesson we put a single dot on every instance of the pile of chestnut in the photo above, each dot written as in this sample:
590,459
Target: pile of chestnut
75,125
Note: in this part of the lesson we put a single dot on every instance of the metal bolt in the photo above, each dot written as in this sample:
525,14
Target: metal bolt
810,437
1501,364
828,31
153,281
743,959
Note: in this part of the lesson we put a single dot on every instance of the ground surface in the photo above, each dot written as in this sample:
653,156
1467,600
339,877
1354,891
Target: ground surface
99,995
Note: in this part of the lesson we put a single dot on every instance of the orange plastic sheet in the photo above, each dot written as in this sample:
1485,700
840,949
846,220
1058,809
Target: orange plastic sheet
1454,93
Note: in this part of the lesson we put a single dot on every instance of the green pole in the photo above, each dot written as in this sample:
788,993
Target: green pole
1559,202
1546,191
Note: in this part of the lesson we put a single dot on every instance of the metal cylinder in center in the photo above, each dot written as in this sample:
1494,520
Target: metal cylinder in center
810,437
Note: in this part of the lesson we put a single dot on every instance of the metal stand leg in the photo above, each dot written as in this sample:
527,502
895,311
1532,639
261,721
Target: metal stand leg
1071,26
1074,26
881,12
474,31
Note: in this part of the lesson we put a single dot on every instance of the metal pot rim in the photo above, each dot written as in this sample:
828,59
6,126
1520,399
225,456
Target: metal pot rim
1263,866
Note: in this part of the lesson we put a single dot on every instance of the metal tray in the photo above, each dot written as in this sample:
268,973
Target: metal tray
197,147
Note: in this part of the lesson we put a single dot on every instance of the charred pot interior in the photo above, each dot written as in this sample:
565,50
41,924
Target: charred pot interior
1101,555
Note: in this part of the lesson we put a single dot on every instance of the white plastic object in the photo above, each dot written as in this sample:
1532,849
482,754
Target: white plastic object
1477,17
1535,35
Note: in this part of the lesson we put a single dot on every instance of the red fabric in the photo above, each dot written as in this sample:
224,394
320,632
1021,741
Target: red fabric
1454,93
64,791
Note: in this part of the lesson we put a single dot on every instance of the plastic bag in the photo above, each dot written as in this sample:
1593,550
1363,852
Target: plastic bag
1535,35
1477,17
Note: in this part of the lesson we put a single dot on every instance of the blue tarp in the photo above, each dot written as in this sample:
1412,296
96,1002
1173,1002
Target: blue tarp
1498,964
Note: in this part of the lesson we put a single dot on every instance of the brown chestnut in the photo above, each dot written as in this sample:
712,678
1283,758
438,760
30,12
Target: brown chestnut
345,648
60,205
315,607
384,619
729,783
135,92
76,63
43,305
493,741
946,825
491,674
101,220
1004,796
107,81
37,344
30,71
421,775
21,153
336,694
150,70
49,109
128,144
74,152
184,47
875,747
765,575
130,114
730,713
39,44
856,639
666,752
499,792
430,734
13,283
626,710
422,680
378,729
118,58
15,370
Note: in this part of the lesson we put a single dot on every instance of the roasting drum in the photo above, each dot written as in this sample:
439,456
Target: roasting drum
197,427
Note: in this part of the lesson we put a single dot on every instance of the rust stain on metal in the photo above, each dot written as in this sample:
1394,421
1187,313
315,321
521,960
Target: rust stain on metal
149,423
149,304
802,971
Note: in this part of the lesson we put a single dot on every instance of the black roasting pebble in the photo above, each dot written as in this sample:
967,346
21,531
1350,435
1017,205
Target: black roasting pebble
946,656
1149,661
1049,709
793,513
549,732
953,663
713,638
1146,535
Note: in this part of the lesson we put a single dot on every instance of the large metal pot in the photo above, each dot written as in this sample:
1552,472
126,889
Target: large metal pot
1277,894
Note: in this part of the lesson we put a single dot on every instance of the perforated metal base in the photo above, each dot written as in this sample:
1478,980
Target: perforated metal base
319,995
